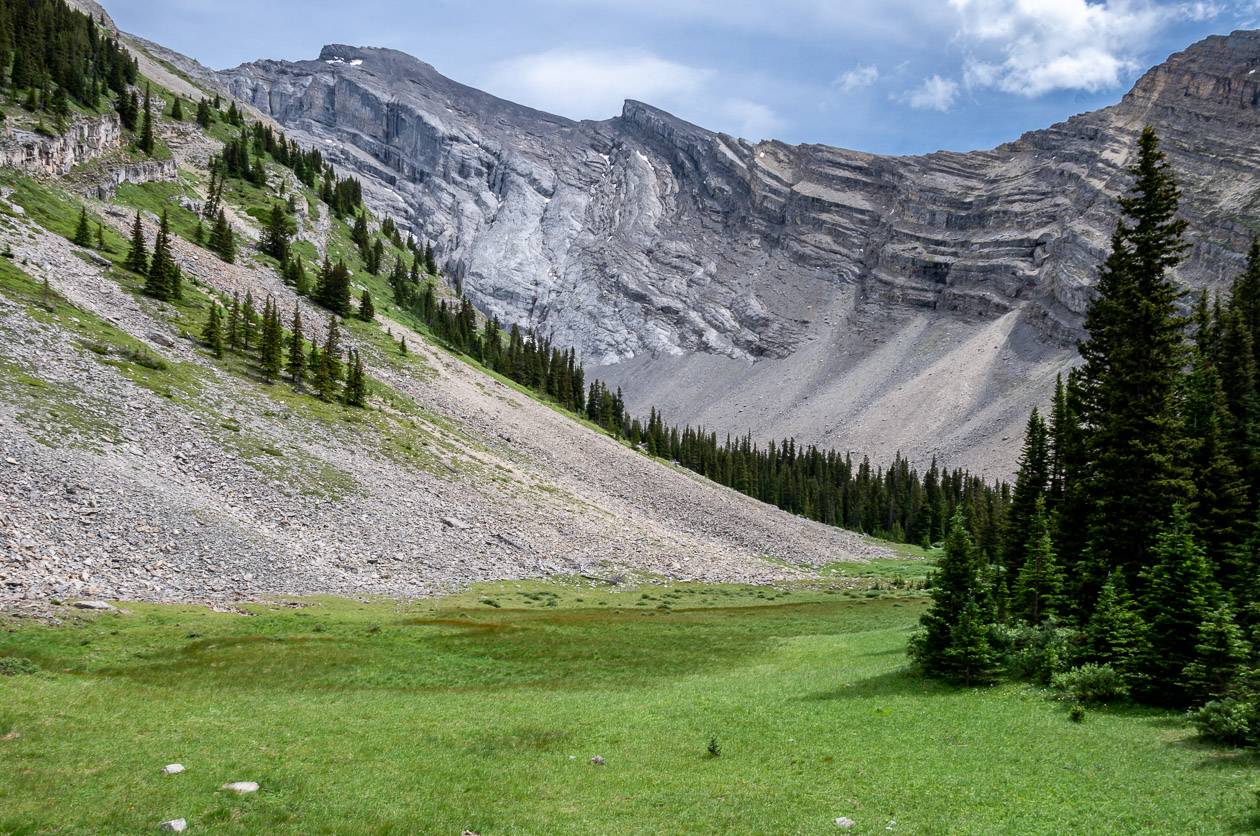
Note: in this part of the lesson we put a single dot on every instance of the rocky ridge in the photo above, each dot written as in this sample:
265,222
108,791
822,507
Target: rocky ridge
760,286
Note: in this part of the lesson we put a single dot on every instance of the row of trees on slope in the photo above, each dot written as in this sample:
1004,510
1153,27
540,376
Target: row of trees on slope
1129,563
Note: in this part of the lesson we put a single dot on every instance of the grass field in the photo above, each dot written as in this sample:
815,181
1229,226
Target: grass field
483,711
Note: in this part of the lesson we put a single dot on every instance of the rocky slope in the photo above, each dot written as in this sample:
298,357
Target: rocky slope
133,465
874,303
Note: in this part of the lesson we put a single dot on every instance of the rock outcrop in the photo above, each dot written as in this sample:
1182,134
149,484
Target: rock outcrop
880,303
86,139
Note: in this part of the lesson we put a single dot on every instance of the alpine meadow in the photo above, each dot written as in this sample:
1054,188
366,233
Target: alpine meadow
380,455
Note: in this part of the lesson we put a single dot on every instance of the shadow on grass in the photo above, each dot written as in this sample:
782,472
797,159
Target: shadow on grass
901,682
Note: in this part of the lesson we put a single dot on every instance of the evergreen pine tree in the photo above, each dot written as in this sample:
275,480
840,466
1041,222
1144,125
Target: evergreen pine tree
100,239
1221,656
1219,512
955,587
177,110
1130,379
223,239
275,240
138,256
83,233
296,367
367,312
234,323
163,280
146,142
970,658
212,335
271,343
249,322
1180,595
1116,634
203,114
328,374
1039,586
356,381
1031,482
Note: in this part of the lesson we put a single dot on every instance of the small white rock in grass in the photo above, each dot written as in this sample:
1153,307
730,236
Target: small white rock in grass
845,823
242,786
597,761
172,769
174,826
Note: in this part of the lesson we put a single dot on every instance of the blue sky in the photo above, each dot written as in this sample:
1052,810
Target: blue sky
888,76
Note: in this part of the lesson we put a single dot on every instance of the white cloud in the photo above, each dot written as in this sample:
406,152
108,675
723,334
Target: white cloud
935,93
858,77
591,84
1032,47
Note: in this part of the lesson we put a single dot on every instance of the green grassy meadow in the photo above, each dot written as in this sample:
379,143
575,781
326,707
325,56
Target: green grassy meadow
482,711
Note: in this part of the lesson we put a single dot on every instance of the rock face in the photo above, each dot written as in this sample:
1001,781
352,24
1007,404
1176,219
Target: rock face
920,304
86,139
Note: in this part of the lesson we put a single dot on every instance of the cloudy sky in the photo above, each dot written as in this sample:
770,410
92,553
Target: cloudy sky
891,76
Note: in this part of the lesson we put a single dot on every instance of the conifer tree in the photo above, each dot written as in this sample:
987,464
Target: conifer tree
212,335
328,374
1116,634
100,239
356,381
367,312
177,110
1131,375
1236,363
1221,655
970,658
296,366
203,114
1031,482
83,233
223,239
955,590
1039,586
1180,595
249,322
1219,512
164,279
297,276
333,289
275,239
272,342
138,256
234,323
146,142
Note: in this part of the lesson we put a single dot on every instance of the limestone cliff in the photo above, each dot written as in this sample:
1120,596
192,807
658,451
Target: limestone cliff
880,303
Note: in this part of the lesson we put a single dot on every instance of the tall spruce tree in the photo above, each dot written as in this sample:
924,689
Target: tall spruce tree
1116,635
212,334
1219,512
1031,482
367,312
1180,595
138,256
1221,655
956,589
1130,380
1038,589
328,372
146,143
83,233
271,346
296,367
356,381
249,322
164,278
